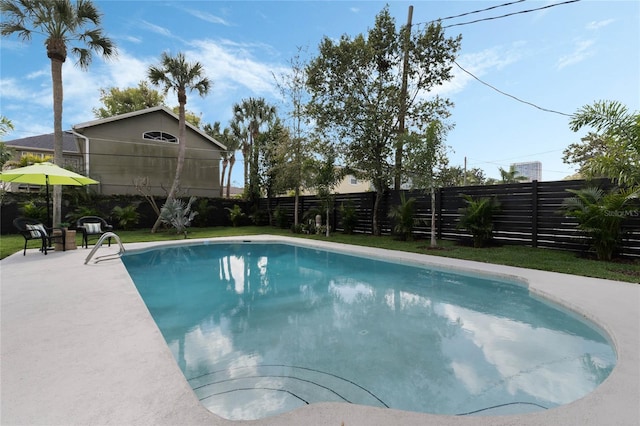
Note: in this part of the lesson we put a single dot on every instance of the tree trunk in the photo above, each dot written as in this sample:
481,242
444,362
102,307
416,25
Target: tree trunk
232,161
434,242
182,147
58,159
224,168
376,206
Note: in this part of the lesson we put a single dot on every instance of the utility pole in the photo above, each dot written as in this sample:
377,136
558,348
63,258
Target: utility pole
403,105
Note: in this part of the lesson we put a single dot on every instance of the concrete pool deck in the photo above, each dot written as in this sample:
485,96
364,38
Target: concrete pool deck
78,346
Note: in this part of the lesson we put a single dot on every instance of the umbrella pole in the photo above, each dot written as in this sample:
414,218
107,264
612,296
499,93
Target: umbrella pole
48,210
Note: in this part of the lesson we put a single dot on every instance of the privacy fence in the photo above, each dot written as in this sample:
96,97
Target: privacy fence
530,214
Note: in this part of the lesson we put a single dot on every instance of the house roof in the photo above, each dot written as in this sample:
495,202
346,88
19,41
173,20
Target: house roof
45,142
164,109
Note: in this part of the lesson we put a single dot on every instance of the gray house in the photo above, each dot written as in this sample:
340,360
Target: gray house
141,145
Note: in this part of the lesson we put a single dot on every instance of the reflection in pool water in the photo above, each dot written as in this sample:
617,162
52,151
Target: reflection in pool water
260,329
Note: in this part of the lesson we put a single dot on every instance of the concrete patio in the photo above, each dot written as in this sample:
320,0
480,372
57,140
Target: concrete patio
79,347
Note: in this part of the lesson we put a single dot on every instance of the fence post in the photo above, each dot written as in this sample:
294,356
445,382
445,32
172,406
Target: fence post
534,213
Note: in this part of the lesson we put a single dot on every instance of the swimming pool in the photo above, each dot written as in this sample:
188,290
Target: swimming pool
259,329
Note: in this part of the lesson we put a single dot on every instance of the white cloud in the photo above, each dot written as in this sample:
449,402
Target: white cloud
232,66
208,17
596,25
156,28
581,52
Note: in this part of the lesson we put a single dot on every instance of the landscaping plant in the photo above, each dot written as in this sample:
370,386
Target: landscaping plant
477,218
403,216
600,214
178,214
126,217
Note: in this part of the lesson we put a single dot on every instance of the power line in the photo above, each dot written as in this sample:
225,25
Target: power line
480,10
511,14
511,96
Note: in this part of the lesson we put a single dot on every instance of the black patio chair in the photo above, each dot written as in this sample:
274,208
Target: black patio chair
33,229
92,226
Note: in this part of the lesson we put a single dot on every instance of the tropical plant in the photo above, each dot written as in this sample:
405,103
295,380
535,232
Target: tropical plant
511,175
82,211
251,114
613,151
178,214
349,217
63,24
403,217
31,210
325,178
177,74
126,217
477,218
357,94
205,212
280,217
601,214
235,215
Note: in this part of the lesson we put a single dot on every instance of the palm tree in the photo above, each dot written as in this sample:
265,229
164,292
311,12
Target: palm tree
214,132
601,214
253,113
233,144
175,73
510,176
63,23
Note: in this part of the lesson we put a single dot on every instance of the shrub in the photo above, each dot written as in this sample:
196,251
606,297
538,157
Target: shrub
349,217
126,217
477,218
403,216
33,211
235,214
280,218
178,214
600,215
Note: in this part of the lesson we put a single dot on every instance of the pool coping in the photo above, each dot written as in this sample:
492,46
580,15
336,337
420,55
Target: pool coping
78,346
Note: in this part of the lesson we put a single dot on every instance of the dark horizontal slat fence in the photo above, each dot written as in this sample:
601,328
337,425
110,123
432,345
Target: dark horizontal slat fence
529,214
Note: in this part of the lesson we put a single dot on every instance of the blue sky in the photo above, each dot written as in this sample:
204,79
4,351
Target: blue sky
559,58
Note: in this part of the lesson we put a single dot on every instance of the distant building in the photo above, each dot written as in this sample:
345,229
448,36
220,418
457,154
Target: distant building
531,170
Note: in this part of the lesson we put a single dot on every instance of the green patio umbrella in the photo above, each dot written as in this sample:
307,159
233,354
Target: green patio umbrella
45,174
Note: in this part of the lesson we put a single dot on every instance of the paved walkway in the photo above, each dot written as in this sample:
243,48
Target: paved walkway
79,347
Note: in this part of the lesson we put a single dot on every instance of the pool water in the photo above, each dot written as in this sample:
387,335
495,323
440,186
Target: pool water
260,329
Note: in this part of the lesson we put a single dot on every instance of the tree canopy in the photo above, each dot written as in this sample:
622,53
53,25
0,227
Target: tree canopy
612,150
356,97
118,101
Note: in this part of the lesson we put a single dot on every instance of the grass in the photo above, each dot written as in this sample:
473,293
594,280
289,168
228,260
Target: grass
525,257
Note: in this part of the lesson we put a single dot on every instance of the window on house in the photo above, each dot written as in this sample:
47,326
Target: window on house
160,136
353,180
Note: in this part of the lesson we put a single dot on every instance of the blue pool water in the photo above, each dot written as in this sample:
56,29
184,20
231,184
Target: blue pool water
260,329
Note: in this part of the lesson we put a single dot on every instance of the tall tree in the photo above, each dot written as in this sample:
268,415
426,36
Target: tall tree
356,95
252,114
118,101
214,132
63,24
292,85
175,73
613,151
427,159
236,138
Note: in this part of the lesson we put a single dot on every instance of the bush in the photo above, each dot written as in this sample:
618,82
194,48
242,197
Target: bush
403,216
477,218
349,217
126,217
178,214
235,215
600,215
33,211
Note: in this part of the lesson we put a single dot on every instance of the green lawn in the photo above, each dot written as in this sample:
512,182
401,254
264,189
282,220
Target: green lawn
526,257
